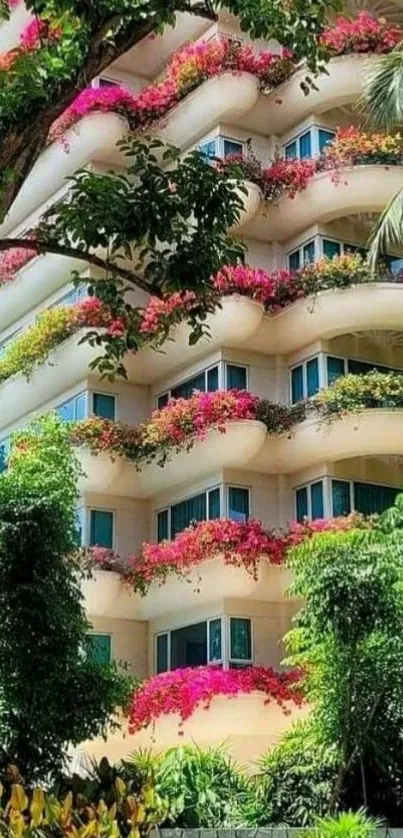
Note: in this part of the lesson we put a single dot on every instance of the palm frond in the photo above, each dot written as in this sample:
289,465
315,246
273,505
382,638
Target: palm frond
387,233
382,101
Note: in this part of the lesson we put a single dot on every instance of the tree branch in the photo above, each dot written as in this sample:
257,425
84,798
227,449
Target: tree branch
106,265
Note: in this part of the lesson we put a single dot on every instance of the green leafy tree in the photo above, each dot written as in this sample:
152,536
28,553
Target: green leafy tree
347,639
51,694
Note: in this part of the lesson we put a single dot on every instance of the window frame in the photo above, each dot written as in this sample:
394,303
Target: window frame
300,250
73,398
313,130
167,509
238,662
303,363
90,509
326,481
92,632
227,487
92,393
219,140
221,366
320,479
168,632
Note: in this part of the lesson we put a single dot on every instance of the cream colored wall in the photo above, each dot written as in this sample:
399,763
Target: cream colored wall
133,400
131,520
270,622
129,642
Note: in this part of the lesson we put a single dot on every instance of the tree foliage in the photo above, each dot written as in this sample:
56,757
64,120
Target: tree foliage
51,694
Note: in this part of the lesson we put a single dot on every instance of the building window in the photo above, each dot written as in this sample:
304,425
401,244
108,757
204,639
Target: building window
305,380
4,454
305,254
205,506
74,295
240,641
73,409
220,376
104,405
99,648
101,528
195,645
334,498
310,143
309,502
221,147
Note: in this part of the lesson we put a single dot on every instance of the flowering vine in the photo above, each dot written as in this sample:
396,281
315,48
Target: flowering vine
361,34
185,690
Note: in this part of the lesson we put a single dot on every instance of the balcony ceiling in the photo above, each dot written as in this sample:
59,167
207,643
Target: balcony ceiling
393,11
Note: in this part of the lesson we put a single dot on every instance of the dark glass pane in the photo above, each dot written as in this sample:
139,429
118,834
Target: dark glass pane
162,653
335,368
241,639
163,400
183,513
185,390
212,380
294,261
301,497
297,384
308,253
325,137
232,147
189,646
305,147
215,647
104,405
341,502
369,498
101,528
317,500
331,248
238,503
236,377
291,151
99,648
312,376
214,510
355,248
359,367
209,149
162,525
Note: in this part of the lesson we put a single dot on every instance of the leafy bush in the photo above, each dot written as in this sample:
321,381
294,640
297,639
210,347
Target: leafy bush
344,825
294,780
205,788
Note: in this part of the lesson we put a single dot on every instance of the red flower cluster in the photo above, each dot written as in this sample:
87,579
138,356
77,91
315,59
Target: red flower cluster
12,261
184,690
362,34
35,33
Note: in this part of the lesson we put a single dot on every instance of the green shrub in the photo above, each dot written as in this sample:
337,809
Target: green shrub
293,784
344,825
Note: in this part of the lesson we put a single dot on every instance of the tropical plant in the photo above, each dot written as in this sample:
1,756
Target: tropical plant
345,825
294,780
47,676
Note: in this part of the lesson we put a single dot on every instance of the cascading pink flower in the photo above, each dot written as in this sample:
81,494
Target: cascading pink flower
183,691
362,34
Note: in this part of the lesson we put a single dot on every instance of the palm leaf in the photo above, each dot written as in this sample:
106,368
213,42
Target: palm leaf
382,100
387,233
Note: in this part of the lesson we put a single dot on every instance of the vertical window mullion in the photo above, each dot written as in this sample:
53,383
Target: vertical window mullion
352,495
305,380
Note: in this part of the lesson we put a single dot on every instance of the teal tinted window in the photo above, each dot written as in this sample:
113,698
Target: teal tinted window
215,642
99,648
335,368
240,639
214,504
104,405
297,384
162,653
294,261
238,503
182,514
393,263
4,452
212,379
312,377
185,390
163,400
355,248
331,248
317,500
66,411
370,499
189,646
341,501
163,525
324,138
236,377
232,147
101,528
308,253
209,149
305,146
291,151
301,498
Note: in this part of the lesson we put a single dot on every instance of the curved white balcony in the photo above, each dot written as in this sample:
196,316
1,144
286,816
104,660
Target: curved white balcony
11,30
94,138
370,433
361,189
201,586
105,595
234,449
330,313
231,325
65,367
39,278
246,724
287,105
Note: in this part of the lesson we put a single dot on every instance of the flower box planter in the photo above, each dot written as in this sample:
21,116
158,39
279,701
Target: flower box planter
105,595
